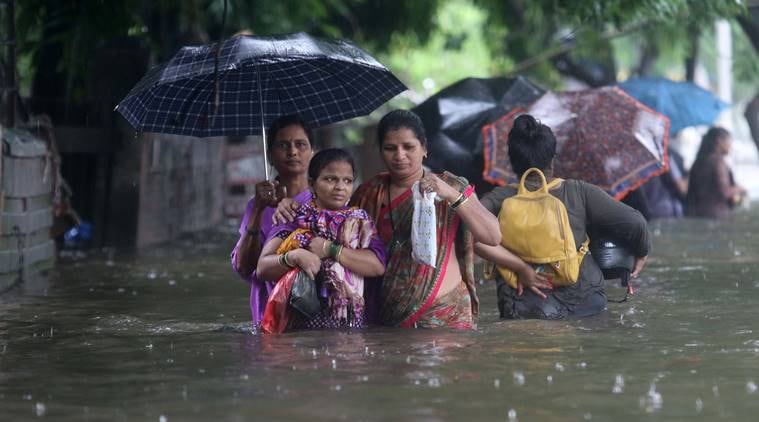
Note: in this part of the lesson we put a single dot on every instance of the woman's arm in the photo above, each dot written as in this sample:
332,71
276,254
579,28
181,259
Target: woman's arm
621,222
483,225
526,275
728,190
248,249
363,262
271,266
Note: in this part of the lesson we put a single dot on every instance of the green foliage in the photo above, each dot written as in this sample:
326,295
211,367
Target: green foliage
456,49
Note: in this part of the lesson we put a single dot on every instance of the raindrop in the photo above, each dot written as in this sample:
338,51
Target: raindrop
201,275
587,416
313,353
152,274
549,379
417,382
653,400
408,359
334,364
201,371
582,365
338,387
512,415
433,382
27,397
121,290
363,378
149,346
172,282
715,391
751,387
40,409
518,378
163,418
619,385
559,366
497,383
699,405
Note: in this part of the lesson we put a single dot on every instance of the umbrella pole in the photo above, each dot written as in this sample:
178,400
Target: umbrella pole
263,124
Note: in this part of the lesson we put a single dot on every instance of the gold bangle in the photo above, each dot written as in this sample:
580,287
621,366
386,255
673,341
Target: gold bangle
285,261
462,203
459,200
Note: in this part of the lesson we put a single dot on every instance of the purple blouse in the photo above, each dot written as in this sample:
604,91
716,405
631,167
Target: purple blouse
260,289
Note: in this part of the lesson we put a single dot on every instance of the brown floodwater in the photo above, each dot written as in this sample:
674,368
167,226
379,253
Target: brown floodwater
164,335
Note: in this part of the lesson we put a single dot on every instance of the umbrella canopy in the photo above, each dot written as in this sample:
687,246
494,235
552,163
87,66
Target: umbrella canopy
258,79
684,103
453,119
603,136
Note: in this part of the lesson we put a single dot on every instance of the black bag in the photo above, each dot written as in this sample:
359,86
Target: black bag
303,296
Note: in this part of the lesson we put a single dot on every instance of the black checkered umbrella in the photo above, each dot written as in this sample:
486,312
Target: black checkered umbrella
258,79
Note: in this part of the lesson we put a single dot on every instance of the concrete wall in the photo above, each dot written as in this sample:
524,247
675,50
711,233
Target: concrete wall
181,186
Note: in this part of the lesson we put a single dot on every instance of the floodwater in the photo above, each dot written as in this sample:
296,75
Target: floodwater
164,336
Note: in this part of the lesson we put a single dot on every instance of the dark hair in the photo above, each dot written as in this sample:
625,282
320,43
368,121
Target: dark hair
282,122
709,143
531,144
400,119
326,157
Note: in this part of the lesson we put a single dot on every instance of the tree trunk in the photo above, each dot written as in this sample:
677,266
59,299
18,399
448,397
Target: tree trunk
750,25
647,58
752,117
692,59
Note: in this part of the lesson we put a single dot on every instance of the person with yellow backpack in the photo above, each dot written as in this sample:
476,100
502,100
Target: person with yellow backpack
543,268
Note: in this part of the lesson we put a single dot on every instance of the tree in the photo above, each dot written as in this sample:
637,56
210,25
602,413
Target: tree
544,35
750,25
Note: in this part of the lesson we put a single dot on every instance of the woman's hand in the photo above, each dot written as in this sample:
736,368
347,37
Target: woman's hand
266,194
534,281
286,211
640,262
431,183
318,247
306,261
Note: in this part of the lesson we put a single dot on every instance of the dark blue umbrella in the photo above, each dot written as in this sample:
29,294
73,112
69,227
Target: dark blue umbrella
684,103
256,80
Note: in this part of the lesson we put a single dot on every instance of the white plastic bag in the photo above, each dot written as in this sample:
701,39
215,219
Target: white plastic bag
424,227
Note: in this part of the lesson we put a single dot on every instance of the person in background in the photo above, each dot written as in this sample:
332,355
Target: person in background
532,144
665,194
290,152
712,191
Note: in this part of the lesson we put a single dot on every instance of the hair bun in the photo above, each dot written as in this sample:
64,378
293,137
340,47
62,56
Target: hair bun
526,125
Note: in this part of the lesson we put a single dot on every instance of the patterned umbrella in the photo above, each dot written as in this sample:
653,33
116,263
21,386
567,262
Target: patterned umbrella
603,136
254,80
684,103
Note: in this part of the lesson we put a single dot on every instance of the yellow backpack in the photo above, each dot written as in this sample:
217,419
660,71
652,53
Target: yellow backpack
535,227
